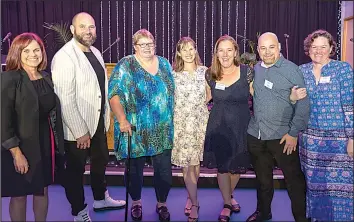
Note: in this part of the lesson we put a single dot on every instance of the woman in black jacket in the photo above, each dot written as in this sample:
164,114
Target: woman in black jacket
31,128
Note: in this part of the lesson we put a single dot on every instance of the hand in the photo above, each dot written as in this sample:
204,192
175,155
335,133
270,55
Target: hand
251,88
84,142
290,143
350,148
297,93
125,126
20,163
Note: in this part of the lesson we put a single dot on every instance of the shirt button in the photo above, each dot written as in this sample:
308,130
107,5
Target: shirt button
99,110
99,97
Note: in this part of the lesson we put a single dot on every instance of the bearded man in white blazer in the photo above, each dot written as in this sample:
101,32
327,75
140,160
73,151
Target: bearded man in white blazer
80,81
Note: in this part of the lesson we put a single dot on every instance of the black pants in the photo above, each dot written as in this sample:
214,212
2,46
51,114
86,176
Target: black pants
162,176
75,168
262,153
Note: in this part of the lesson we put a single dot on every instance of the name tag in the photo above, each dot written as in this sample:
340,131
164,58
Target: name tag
200,76
325,79
268,84
220,86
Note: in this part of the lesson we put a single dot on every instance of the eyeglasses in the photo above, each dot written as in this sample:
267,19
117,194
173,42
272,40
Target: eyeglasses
143,45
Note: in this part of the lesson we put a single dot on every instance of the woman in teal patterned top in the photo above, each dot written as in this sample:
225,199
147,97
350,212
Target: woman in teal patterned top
141,92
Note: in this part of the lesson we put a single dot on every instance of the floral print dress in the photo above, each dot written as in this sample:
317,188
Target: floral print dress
190,117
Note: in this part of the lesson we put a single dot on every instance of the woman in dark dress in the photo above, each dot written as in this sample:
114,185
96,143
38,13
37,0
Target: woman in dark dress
225,142
31,128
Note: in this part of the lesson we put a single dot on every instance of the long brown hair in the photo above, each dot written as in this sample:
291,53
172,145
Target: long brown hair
13,60
178,63
215,68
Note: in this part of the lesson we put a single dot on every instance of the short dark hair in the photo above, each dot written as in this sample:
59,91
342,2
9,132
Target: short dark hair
319,33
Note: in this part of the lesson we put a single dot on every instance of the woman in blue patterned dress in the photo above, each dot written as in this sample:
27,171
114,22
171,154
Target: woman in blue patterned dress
141,93
326,147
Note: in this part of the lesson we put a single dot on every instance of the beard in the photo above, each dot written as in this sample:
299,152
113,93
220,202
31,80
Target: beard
86,42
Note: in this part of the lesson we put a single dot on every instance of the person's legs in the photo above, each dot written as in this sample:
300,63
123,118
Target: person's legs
190,176
99,159
40,206
162,182
135,177
294,177
17,208
262,161
75,168
234,178
224,182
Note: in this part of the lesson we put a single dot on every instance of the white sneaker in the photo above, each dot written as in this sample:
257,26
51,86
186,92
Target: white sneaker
83,216
108,204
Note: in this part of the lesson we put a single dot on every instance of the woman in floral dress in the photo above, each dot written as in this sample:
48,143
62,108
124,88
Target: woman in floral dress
190,118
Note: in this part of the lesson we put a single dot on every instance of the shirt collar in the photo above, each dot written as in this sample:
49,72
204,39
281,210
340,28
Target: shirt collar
277,64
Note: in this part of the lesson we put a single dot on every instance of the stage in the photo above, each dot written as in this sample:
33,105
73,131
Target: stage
209,198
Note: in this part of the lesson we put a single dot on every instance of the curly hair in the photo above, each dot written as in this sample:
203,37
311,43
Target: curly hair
319,33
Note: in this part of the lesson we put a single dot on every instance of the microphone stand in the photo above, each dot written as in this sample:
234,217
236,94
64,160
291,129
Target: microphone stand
117,40
286,45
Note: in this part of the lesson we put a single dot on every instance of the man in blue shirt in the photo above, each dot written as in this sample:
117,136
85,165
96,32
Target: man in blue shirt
273,130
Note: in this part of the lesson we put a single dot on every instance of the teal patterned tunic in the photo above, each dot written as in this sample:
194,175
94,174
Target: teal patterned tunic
148,103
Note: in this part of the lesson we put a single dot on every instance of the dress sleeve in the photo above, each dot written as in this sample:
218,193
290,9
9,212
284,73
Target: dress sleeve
250,74
120,83
9,138
346,97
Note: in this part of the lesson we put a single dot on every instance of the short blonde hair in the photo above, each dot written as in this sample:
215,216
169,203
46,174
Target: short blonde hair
142,33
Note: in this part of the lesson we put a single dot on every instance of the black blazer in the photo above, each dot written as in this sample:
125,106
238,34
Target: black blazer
19,120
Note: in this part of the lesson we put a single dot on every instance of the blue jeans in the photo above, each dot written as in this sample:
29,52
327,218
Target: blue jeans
162,176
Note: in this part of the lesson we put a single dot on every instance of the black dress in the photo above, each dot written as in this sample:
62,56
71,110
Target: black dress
226,134
17,184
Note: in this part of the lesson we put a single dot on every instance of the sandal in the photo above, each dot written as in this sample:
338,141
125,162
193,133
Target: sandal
236,208
191,219
187,210
224,218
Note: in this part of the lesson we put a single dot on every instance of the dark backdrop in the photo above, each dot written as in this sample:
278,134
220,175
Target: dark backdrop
203,20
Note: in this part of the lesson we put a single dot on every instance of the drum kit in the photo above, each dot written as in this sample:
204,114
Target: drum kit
3,56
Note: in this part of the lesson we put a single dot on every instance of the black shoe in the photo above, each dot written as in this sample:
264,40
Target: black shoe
224,218
136,212
164,215
258,217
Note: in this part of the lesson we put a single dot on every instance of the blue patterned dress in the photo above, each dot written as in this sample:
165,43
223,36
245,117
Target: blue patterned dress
323,146
148,101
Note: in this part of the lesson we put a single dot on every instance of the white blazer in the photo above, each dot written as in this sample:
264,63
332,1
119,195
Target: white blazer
76,84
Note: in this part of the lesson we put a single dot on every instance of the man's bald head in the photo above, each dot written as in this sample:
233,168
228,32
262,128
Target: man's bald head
268,48
268,36
83,29
81,16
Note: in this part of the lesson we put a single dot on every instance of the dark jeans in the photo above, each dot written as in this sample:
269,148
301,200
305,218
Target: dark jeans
75,168
262,153
162,176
